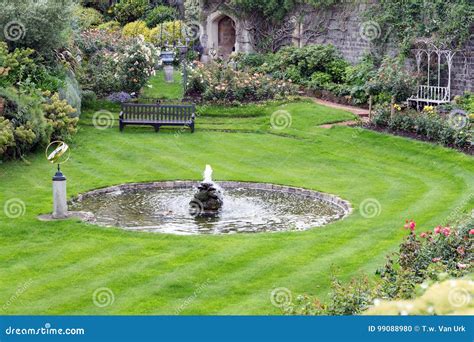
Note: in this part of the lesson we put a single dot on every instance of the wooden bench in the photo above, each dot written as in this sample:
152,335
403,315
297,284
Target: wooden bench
430,95
157,115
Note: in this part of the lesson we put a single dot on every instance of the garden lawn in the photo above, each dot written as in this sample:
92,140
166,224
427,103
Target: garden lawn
63,263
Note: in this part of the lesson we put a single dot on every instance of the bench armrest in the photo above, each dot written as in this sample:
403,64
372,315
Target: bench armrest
121,115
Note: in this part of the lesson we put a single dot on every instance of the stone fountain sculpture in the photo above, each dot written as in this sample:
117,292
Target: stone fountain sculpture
208,201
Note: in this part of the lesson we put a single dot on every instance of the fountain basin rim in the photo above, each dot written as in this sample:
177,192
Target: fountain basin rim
184,184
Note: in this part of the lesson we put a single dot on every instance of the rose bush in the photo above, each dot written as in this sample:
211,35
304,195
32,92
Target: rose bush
218,83
429,256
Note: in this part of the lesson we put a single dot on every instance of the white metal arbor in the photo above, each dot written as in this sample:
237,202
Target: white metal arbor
433,93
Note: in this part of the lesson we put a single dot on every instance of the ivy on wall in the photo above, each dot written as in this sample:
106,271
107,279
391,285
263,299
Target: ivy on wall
275,10
447,22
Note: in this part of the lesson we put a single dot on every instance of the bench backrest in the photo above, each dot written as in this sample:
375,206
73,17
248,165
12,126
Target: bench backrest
155,112
433,93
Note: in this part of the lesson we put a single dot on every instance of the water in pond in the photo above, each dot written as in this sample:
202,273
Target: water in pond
244,211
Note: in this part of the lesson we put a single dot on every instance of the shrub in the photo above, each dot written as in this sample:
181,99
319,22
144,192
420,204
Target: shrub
299,64
466,102
127,11
356,77
19,68
249,61
344,299
429,126
422,256
431,255
59,115
393,78
95,40
136,28
160,14
171,32
219,83
43,25
319,80
101,73
7,139
26,123
137,65
119,97
88,97
87,17
110,26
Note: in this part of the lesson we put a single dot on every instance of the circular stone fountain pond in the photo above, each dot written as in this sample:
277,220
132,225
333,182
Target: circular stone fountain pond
179,207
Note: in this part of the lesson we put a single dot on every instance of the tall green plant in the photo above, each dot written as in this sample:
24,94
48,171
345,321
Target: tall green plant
40,25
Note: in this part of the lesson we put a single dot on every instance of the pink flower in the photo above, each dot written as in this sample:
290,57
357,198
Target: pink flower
461,250
423,235
436,259
446,231
462,266
410,225
471,232
438,230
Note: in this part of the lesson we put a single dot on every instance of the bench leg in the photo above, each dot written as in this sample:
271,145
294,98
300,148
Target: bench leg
192,127
121,126
157,128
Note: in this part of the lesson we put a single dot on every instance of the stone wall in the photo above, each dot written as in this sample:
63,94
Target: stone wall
344,27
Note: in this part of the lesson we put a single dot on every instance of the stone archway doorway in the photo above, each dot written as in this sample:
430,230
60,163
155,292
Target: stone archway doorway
226,36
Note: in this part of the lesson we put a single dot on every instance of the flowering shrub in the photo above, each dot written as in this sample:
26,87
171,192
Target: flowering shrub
137,65
119,97
393,78
101,73
115,63
218,83
426,125
432,255
59,115
95,40
425,255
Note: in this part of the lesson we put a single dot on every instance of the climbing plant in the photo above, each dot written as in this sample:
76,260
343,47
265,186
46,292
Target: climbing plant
276,10
447,22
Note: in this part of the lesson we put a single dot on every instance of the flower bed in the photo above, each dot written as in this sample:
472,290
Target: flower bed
452,129
218,83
